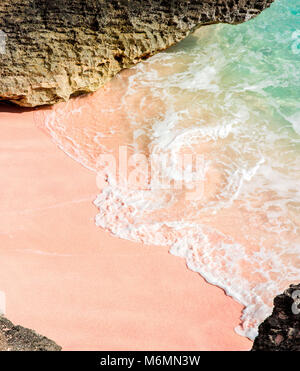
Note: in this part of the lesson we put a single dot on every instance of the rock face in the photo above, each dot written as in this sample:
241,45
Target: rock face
17,338
281,331
51,50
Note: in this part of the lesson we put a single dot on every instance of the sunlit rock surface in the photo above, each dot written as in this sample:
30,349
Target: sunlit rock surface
51,50
18,338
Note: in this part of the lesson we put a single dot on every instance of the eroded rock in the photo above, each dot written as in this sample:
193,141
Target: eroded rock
281,331
51,50
18,338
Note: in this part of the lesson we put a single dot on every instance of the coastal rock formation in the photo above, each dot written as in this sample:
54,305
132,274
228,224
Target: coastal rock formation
51,50
18,338
281,331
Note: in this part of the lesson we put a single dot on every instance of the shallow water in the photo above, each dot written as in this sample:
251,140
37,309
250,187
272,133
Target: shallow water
229,97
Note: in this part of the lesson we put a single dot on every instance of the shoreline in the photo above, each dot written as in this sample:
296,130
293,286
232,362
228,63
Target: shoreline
77,284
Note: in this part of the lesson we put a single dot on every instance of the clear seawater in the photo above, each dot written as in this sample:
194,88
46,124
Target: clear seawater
232,95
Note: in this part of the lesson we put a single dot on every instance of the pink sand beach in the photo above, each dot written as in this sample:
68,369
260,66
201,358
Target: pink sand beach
78,285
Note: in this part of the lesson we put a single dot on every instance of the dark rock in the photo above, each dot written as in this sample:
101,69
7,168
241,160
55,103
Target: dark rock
18,338
51,50
281,331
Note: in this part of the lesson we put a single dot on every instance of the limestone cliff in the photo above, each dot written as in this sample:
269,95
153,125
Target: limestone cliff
51,50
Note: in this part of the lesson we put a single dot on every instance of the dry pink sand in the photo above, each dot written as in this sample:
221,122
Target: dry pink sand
76,284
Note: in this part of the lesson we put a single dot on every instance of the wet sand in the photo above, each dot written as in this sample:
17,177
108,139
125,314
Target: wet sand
76,284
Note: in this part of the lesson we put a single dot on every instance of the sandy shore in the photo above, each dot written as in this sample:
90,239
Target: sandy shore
78,285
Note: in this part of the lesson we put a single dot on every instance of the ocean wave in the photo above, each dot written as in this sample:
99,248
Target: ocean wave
229,94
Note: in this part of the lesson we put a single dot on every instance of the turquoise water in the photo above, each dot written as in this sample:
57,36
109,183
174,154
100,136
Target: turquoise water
269,58
261,59
231,95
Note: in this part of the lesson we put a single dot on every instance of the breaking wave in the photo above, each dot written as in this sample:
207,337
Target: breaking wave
229,94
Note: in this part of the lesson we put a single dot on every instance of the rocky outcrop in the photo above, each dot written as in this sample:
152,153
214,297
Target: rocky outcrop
18,338
281,331
51,50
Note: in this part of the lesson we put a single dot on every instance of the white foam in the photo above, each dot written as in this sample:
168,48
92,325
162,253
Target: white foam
243,235
295,120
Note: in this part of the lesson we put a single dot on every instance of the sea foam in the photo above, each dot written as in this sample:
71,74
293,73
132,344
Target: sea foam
231,95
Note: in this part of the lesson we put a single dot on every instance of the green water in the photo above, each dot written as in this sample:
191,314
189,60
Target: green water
270,57
231,94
